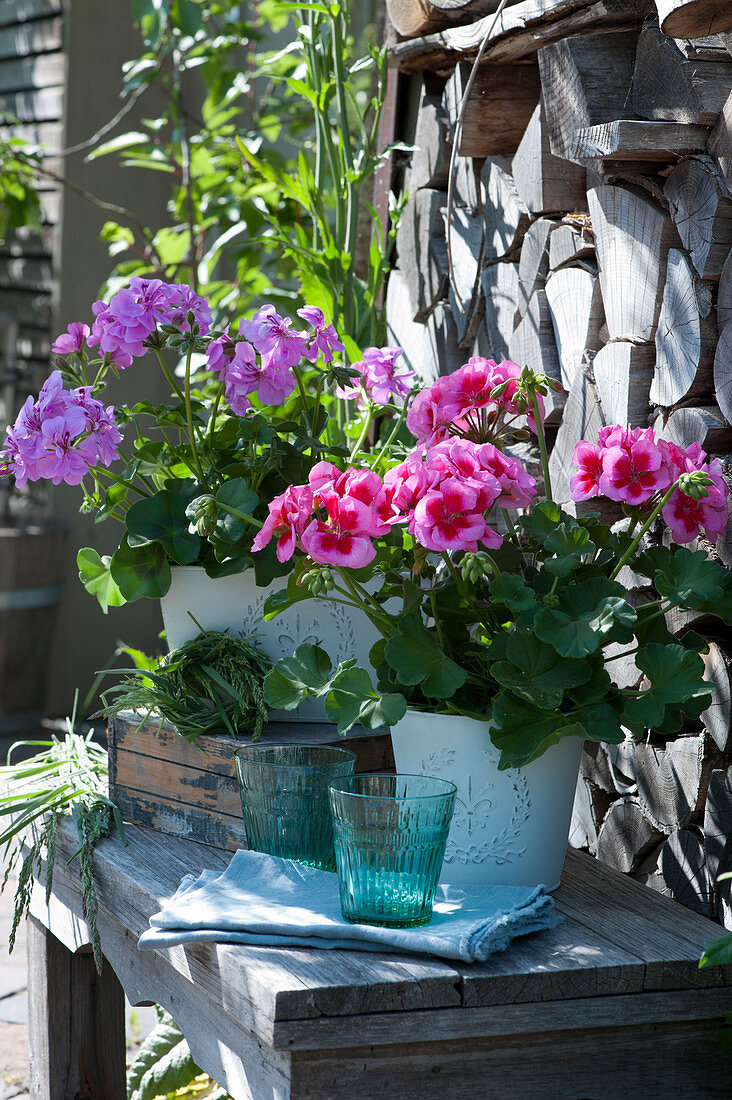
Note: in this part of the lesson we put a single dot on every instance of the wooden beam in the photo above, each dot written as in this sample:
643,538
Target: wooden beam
669,85
501,102
547,184
628,139
413,17
623,374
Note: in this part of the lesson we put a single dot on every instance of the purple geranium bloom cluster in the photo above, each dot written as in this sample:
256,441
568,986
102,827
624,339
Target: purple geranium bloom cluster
379,381
121,327
261,360
60,435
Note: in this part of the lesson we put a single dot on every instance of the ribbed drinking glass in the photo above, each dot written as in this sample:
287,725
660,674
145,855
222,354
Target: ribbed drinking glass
390,836
284,799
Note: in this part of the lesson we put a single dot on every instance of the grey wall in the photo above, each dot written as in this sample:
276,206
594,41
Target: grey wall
98,39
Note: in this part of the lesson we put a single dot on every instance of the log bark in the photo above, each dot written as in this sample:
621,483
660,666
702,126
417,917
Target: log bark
623,373
670,781
585,82
571,294
501,103
506,216
421,250
401,330
632,237
718,824
632,140
413,17
668,85
686,336
534,262
500,284
571,242
443,354
723,373
696,424
682,864
724,296
719,144
582,418
433,144
626,837
533,343
597,769
693,18
546,184
718,716
466,299
516,33
701,205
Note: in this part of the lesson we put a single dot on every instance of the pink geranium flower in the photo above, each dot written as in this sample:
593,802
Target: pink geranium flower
447,519
634,474
379,380
342,538
586,483
288,517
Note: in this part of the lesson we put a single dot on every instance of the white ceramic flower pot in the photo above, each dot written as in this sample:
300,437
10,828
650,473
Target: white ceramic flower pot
236,604
510,827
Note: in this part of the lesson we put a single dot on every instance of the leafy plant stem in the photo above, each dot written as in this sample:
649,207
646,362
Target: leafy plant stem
646,526
172,382
541,437
240,515
364,431
392,435
364,600
189,418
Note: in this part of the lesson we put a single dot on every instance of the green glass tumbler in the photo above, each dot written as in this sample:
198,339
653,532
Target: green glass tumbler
284,799
390,836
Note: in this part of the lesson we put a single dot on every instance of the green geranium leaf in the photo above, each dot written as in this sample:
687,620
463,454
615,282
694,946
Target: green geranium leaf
654,560
570,544
353,699
523,731
690,577
598,722
536,672
543,519
588,615
141,571
162,519
237,494
417,660
676,677
293,679
95,575
718,953
510,590
266,566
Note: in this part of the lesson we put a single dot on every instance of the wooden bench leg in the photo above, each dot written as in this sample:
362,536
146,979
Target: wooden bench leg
76,1023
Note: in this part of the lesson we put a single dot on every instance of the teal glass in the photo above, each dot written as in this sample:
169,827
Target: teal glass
390,835
284,799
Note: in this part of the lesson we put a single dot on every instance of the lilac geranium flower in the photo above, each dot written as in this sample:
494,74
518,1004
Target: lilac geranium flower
325,337
72,340
270,333
379,381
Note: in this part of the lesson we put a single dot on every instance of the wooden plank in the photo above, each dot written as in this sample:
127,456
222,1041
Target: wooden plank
20,11
518,32
500,286
627,139
720,141
37,36
649,1061
23,73
76,1022
258,985
546,184
386,1029
501,103
422,252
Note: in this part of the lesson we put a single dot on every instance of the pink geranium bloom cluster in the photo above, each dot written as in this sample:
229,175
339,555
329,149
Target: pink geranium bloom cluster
443,495
379,380
635,467
60,436
462,404
121,327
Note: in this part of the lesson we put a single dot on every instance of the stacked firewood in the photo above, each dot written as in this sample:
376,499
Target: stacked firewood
587,231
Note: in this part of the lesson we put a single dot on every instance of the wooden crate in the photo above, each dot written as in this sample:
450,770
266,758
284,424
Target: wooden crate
161,781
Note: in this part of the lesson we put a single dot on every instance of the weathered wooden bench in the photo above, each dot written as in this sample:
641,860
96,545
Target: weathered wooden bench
610,1005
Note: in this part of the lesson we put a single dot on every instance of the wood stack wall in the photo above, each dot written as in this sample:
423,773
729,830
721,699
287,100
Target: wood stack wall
591,238
32,75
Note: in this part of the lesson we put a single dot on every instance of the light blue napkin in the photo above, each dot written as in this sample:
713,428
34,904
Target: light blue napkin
264,900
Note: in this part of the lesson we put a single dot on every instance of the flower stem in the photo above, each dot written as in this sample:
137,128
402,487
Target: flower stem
541,437
634,544
364,431
240,515
365,601
97,470
173,384
392,435
189,418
